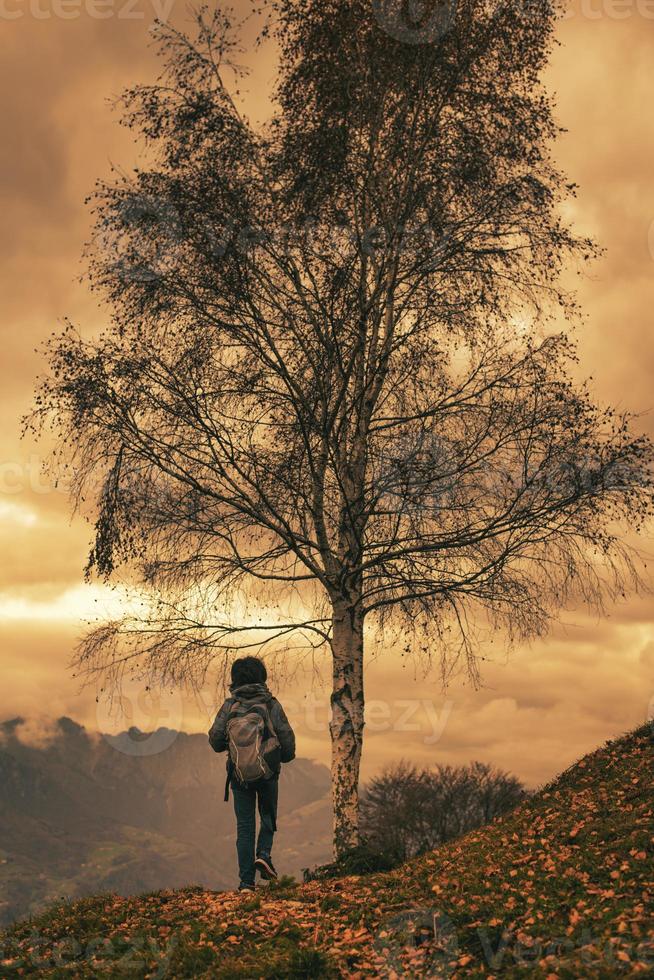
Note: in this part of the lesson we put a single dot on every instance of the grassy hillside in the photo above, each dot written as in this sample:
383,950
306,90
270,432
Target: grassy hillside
562,887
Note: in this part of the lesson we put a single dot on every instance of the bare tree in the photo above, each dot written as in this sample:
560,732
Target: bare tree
337,381
406,811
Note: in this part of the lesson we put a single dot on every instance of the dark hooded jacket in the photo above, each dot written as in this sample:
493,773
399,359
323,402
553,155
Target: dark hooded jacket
254,694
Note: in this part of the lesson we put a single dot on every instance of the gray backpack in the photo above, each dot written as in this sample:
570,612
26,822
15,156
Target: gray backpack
254,748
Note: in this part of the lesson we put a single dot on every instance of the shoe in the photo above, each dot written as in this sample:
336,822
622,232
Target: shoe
266,868
246,888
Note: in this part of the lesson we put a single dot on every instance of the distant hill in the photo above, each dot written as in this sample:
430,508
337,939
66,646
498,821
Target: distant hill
563,887
79,816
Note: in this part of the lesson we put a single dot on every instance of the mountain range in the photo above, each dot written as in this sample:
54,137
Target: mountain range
83,813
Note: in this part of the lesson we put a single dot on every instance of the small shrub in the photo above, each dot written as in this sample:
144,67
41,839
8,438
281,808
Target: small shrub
330,902
284,884
362,860
304,964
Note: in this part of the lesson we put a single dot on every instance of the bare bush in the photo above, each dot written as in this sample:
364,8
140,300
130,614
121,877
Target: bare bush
406,811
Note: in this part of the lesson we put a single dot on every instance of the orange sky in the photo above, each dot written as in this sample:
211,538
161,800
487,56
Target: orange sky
543,707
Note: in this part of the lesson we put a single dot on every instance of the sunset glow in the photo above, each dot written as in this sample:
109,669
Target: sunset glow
539,708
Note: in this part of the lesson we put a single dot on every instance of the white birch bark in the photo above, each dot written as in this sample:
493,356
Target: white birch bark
346,726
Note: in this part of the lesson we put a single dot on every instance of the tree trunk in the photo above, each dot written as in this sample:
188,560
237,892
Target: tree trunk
346,726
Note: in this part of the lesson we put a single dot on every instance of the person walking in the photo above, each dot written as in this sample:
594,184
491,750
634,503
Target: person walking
253,729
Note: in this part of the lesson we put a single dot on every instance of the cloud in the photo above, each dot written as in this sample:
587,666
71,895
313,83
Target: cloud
75,605
15,514
602,76
37,731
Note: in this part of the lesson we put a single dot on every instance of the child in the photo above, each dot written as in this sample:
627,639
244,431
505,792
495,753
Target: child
252,726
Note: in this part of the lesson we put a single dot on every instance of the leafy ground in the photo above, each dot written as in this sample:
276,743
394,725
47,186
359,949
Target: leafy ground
562,887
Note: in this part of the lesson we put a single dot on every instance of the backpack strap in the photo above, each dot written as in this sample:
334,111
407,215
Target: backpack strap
229,762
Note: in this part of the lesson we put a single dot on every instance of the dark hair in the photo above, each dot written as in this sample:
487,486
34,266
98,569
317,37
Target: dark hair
248,670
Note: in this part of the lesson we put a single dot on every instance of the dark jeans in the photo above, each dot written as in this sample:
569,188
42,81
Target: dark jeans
263,793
